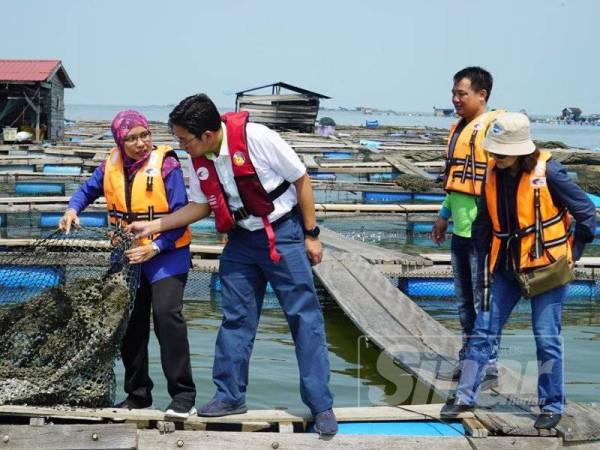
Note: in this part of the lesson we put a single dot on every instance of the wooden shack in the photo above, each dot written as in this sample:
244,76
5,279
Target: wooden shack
32,98
293,108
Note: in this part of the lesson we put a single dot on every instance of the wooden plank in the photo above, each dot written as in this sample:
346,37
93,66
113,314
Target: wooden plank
374,254
346,414
215,249
309,162
580,422
391,334
475,428
444,258
404,166
249,98
104,436
396,208
511,420
356,164
214,440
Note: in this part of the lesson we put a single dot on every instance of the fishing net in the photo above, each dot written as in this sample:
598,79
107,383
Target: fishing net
64,306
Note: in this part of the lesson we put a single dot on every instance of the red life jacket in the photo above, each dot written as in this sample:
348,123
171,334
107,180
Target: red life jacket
256,200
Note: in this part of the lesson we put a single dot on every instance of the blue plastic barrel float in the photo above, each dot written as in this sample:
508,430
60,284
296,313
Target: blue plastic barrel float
29,277
5,168
86,219
403,428
444,287
386,197
370,144
337,155
23,188
426,227
62,170
385,176
328,176
204,225
428,197
372,124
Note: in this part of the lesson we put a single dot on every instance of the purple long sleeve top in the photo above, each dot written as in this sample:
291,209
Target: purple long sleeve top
170,261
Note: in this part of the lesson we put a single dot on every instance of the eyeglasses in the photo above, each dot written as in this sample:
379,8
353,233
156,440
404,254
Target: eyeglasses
497,156
144,136
184,142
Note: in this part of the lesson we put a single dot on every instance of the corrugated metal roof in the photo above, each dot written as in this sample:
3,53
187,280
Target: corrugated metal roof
285,86
28,69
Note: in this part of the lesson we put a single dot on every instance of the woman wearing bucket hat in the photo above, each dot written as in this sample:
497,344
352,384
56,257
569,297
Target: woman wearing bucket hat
527,248
140,180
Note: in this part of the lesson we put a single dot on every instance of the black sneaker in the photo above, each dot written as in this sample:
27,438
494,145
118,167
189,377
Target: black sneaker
455,409
133,403
181,409
490,381
547,420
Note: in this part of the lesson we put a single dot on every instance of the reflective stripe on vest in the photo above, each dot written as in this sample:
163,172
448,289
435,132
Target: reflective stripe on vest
466,164
543,234
148,193
255,199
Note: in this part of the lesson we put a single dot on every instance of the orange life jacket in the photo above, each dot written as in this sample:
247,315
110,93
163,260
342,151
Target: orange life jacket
467,161
148,199
544,229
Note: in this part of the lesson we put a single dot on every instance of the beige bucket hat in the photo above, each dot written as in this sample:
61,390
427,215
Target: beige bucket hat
509,135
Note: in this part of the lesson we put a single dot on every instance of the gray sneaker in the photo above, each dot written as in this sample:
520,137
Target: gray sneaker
218,408
326,423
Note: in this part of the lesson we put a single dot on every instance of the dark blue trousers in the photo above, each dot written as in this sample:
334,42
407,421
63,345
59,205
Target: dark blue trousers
468,292
245,269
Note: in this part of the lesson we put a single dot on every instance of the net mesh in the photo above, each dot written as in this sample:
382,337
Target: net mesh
64,307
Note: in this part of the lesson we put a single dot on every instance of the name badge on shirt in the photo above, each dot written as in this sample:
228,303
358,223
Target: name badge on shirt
538,182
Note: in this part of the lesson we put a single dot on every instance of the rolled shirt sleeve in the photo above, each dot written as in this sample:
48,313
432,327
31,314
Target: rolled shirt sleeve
196,194
445,211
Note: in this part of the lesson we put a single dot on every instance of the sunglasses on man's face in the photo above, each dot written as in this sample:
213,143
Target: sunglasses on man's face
497,156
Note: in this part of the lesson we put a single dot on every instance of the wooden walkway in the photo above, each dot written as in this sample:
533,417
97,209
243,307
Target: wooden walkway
110,428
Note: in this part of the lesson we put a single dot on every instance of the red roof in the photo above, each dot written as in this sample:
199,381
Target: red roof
28,69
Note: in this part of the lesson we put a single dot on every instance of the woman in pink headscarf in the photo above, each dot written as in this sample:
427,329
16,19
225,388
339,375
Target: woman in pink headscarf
141,181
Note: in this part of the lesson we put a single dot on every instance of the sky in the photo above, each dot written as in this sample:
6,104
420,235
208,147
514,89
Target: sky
392,54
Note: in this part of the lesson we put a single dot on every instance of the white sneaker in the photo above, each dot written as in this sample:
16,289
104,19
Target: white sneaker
180,410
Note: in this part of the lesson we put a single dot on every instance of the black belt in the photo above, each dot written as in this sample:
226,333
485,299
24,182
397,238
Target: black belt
288,215
242,214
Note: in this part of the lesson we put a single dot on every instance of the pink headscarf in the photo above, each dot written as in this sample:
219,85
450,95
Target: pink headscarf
122,124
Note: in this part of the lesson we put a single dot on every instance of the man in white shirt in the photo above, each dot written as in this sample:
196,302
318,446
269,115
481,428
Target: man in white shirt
258,189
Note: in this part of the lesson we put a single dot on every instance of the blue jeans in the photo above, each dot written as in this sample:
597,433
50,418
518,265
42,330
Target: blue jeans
468,294
546,311
245,268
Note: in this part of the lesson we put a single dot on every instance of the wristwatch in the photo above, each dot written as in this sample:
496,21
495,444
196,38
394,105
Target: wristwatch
313,233
155,247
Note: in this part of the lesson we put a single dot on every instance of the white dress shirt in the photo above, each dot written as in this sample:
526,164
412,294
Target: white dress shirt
274,161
